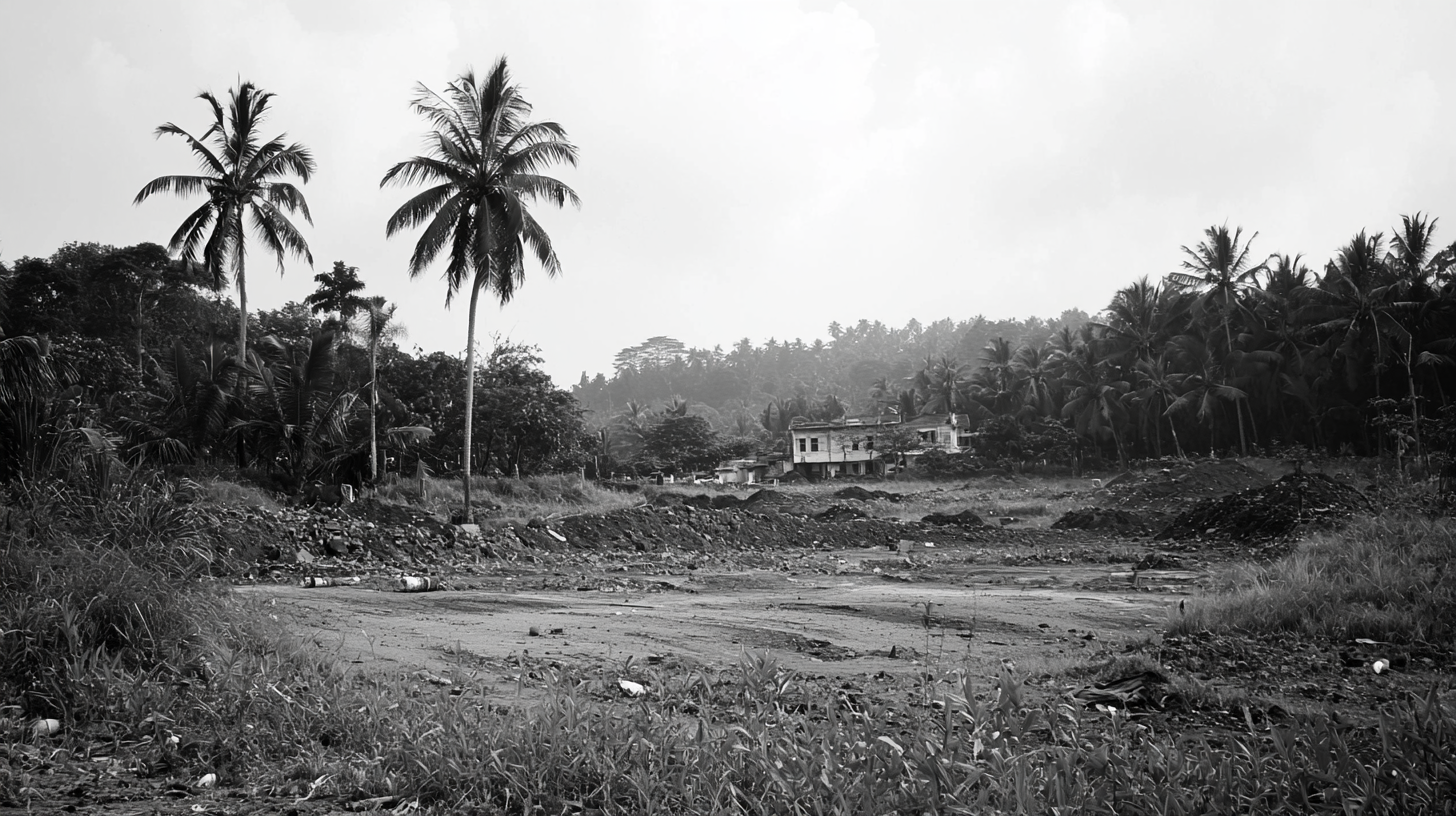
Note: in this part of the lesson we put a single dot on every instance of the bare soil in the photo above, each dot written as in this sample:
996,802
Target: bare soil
837,613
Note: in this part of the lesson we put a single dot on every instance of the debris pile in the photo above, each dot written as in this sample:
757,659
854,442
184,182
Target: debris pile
1171,484
1276,511
964,518
860,494
1101,518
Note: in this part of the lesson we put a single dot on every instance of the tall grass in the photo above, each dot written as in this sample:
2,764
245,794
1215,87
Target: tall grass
1385,578
505,499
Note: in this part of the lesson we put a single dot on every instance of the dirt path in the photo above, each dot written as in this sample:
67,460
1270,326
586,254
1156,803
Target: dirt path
843,624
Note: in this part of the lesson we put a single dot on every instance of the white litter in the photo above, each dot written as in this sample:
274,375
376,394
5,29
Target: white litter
631,689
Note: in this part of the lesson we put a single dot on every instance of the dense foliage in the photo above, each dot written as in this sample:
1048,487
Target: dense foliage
1227,354
156,385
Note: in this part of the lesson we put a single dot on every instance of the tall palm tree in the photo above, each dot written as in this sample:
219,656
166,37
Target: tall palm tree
1220,266
241,176
375,324
483,165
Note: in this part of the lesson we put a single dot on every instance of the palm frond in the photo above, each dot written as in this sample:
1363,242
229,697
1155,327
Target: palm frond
176,185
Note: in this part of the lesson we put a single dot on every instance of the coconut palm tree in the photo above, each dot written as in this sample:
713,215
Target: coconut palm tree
483,165
375,324
1220,267
241,177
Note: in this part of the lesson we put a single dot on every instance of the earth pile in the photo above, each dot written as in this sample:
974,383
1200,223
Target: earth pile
1295,502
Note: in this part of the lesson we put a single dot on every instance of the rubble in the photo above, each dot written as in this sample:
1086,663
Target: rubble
1296,502
1101,518
860,494
1169,484
964,518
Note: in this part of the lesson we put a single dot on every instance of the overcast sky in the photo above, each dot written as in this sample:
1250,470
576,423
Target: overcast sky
761,169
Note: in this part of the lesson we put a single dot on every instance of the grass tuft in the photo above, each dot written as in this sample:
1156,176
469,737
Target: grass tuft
1384,578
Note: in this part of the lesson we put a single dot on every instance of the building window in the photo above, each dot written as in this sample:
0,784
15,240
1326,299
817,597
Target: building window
964,442
854,445
813,443
927,436
802,445
854,468
869,443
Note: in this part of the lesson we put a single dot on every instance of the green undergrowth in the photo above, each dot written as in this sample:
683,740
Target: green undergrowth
506,500
1387,578
754,738
136,655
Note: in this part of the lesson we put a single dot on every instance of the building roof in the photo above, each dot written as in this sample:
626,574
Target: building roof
883,420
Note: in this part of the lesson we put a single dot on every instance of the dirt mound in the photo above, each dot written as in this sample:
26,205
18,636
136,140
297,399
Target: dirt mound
767,497
860,494
702,501
1100,518
1299,500
964,518
1178,482
840,512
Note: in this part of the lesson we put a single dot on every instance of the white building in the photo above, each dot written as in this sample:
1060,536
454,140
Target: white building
847,447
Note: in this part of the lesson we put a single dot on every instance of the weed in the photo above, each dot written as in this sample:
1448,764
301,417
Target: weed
1382,578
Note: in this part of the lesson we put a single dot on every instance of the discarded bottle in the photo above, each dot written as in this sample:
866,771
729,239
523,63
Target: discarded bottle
46,728
414,583
326,581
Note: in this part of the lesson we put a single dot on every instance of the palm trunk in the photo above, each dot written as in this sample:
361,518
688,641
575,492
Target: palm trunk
1229,339
373,408
470,396
140,326
1410,377
242,316
242,343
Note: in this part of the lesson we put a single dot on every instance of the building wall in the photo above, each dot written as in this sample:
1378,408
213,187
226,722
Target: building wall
836,450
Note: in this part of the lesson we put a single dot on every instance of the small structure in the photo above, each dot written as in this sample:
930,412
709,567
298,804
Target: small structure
741,471
847,447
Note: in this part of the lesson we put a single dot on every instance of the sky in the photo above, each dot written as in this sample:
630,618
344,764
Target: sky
763,168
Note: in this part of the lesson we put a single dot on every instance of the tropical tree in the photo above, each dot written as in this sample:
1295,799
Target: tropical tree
1201,383
375,324
241,175
186,408
300,421
1220,267
338,292
483,165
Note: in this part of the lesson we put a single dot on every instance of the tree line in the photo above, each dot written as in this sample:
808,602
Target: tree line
1230,352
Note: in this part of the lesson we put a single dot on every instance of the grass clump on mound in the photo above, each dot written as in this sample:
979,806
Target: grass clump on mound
505,499
1384,578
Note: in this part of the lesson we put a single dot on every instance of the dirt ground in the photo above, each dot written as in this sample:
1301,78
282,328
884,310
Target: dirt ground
1058,581
875,611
